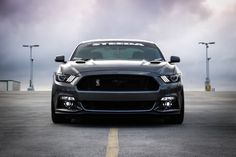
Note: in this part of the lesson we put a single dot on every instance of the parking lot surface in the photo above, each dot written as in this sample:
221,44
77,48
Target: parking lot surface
209,129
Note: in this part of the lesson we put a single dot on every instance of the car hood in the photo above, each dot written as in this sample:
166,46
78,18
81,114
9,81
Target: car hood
71,67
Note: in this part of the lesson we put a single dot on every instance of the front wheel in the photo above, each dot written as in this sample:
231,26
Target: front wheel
178,119
57,118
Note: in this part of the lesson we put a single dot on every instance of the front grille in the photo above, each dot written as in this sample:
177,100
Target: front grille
120,105
118,83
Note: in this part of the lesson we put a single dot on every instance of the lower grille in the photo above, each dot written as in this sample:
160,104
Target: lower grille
118,83
120,105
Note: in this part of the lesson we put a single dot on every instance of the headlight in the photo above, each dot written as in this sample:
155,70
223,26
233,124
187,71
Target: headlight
64,77
171,78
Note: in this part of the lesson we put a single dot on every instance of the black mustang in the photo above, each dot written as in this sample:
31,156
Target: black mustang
117,77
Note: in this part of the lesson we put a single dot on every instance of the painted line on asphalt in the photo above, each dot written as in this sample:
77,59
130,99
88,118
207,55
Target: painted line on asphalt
112,143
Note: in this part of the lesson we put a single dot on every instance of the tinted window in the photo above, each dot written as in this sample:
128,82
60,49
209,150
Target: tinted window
117,51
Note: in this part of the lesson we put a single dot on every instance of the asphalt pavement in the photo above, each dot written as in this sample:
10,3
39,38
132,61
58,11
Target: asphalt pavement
209,129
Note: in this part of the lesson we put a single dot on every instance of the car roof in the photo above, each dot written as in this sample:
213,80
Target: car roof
112,40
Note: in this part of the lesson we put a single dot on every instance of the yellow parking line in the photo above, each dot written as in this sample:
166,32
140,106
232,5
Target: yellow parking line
112,143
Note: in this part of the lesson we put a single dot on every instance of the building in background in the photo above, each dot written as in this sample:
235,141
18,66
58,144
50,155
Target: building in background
9,85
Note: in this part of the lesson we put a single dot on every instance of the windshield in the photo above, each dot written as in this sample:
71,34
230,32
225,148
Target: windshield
117,51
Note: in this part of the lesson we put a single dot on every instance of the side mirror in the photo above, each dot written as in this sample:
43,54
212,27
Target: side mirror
174,59
60,59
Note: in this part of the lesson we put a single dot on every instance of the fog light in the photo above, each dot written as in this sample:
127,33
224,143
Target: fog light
69,98
68,104
167,102
168,98
68,101
64,97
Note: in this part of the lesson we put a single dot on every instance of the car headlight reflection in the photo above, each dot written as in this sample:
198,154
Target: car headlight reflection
64,78
171,78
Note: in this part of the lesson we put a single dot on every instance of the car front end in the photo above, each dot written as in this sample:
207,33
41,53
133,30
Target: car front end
88,87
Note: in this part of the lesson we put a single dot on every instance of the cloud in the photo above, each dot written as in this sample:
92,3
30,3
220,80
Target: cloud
58,26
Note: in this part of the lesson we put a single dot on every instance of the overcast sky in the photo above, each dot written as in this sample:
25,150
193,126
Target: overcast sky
175,25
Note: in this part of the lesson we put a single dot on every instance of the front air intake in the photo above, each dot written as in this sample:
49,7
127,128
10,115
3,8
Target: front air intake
117,106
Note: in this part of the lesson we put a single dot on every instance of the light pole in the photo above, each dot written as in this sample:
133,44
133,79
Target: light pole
31,86
207,82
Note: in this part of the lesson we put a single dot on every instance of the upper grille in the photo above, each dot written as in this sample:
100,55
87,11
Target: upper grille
118,83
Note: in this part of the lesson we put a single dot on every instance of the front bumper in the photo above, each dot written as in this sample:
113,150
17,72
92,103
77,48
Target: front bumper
165,90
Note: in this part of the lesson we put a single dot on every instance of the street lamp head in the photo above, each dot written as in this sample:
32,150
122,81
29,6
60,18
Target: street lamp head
204,43
201,43
30,45
211,43
35,45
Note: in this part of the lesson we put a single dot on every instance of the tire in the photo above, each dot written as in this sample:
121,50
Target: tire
58,118
177,119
